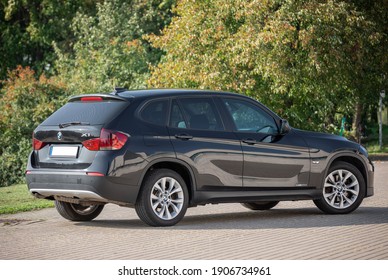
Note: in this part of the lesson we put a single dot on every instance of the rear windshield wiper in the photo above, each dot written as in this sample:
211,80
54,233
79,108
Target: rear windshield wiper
63,125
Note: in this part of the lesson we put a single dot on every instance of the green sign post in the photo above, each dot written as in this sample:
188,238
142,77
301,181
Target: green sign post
343,122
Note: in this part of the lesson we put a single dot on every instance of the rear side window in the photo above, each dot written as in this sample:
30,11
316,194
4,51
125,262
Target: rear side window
92,113
196,113
155,112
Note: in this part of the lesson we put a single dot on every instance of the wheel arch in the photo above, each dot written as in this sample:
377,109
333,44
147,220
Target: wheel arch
353,160
178,166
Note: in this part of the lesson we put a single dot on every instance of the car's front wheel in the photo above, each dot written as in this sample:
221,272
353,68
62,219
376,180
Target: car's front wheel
343,189
78,212
261,205
163,199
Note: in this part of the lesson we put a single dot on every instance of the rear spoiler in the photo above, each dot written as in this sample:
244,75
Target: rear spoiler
96,98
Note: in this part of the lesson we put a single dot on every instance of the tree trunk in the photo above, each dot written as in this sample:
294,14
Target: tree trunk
357,121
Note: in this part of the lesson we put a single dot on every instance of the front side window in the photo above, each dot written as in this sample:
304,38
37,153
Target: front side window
195,113
249,118
155,112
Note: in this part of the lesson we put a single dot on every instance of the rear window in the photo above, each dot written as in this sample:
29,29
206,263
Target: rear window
91,112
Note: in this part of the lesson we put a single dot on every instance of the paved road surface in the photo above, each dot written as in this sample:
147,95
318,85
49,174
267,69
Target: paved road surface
293,230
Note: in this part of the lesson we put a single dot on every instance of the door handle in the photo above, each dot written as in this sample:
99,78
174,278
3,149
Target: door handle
183,136
249,141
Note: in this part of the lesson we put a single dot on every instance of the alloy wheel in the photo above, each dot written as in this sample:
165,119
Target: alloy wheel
341,189
167,198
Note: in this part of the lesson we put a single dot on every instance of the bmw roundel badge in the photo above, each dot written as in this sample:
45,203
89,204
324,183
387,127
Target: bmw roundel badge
59,136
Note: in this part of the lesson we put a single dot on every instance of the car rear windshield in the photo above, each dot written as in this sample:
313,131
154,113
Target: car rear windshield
92,113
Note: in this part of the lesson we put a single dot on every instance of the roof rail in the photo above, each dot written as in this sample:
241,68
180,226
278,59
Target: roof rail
118,90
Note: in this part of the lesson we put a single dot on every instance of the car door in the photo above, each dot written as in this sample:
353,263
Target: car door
200,139
270,160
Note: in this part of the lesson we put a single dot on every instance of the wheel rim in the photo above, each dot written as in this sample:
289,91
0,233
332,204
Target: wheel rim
167,198
83,210
341,189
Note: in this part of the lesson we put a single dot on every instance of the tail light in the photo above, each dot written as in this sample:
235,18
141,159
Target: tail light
108,140
37,144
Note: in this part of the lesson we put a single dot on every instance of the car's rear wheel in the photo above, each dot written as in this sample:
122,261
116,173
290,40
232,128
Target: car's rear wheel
261,205
343,189
163,199
78,212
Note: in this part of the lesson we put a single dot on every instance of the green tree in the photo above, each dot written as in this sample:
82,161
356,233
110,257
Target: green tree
308,60
29,27
371,75
109,49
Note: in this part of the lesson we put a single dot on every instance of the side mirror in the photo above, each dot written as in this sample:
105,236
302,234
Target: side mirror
284,127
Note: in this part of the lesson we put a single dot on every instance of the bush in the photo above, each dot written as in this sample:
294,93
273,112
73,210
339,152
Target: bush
24,103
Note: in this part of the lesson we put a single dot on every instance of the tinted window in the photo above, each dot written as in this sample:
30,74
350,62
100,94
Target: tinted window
248,117
90,112
176,119
196,113
155,112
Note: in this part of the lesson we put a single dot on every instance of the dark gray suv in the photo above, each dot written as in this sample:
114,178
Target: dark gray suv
162,151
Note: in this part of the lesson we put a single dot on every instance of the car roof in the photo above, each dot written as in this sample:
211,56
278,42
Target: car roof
152,93
144,94
125,94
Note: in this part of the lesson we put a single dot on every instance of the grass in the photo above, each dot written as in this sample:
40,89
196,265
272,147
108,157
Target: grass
17,198
374,148
372,141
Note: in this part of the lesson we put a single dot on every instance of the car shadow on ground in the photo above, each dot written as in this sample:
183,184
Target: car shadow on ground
272,219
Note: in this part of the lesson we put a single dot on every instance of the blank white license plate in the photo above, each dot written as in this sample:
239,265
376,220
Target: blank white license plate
63,151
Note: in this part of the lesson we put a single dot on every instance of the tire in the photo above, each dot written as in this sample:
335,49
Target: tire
261,205
163,198
343,189
78,212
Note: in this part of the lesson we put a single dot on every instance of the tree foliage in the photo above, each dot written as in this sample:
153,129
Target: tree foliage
109,49
29,27
25,103
305,59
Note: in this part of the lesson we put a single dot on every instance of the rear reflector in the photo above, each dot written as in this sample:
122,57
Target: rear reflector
108,140
91,98
96,174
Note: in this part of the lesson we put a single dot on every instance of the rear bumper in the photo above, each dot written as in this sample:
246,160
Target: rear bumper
79,186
